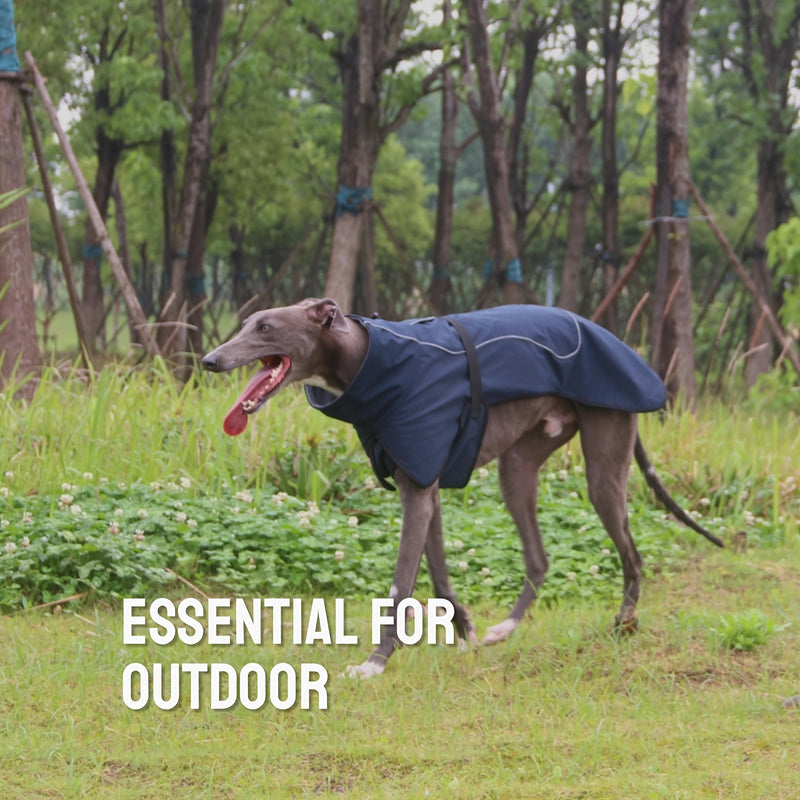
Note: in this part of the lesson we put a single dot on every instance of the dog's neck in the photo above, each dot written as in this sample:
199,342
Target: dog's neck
339,359
317,380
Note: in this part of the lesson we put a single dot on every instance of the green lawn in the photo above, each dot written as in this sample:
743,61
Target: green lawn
562,710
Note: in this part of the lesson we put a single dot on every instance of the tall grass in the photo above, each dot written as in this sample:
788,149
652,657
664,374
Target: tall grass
140,424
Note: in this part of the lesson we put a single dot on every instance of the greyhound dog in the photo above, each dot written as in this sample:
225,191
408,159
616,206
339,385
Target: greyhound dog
343,359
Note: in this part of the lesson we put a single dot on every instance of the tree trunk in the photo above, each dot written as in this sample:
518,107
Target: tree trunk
580,168
770,51
121,224
673,348
19,353
761,341
485,107
206,25
610,258
109,150
517,149
360,67
441,283
195,276
369,294
239,278
167,153
376,47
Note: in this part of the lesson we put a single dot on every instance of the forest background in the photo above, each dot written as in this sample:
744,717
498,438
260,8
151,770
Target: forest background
409,158
254,153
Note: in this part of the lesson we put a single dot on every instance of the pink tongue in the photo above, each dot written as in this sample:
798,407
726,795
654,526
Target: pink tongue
236,419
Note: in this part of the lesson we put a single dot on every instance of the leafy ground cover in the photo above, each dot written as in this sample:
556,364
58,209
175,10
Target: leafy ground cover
122,484
107,540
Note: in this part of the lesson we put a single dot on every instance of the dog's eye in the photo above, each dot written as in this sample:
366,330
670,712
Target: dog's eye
263,327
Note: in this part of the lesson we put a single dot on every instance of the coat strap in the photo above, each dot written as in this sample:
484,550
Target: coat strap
475,384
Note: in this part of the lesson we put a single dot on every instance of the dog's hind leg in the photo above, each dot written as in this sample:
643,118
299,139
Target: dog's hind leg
419,509
519,483
607,438
437,564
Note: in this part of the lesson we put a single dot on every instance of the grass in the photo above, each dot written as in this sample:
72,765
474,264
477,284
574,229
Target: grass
690,707
562,710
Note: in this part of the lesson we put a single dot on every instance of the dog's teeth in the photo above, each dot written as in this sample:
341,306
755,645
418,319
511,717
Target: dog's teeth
248,405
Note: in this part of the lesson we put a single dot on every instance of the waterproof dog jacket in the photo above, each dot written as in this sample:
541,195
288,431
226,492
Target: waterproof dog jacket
420,398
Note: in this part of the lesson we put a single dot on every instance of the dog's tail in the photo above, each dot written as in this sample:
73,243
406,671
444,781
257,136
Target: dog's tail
663,495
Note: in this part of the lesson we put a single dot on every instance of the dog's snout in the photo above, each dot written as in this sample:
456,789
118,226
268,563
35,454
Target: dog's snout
210,362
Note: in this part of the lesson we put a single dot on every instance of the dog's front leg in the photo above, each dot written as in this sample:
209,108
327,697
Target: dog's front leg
419,508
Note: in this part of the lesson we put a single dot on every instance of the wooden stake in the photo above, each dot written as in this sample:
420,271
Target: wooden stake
749,283
59,602
623,276
128,291
188,583
672,295
61,240
636,311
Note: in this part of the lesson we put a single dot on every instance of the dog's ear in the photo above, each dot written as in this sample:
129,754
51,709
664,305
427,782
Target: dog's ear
327,314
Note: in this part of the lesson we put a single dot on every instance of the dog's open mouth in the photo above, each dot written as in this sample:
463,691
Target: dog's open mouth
261,386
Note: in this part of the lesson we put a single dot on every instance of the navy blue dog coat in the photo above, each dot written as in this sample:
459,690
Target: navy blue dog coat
420,398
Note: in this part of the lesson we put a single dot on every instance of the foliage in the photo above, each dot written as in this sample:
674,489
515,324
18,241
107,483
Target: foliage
110,540
276,139
7,199
744,631
778,390
400,189
783,245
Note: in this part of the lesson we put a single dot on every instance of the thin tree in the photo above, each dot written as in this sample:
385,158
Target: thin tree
441,285
206,18
673,344
375,48
612,41
771,37
109,148
578,183
484,100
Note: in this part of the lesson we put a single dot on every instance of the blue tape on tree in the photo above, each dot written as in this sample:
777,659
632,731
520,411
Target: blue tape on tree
351,200
680,207
196,285
8,38
514,271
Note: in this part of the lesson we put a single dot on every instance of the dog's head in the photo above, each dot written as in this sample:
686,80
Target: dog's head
287,343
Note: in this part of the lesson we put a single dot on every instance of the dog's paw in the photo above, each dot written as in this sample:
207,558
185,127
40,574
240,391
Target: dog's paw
500,632
627,621
369,669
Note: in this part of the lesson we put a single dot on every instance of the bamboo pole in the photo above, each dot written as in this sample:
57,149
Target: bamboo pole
128,291
58,230
749,284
